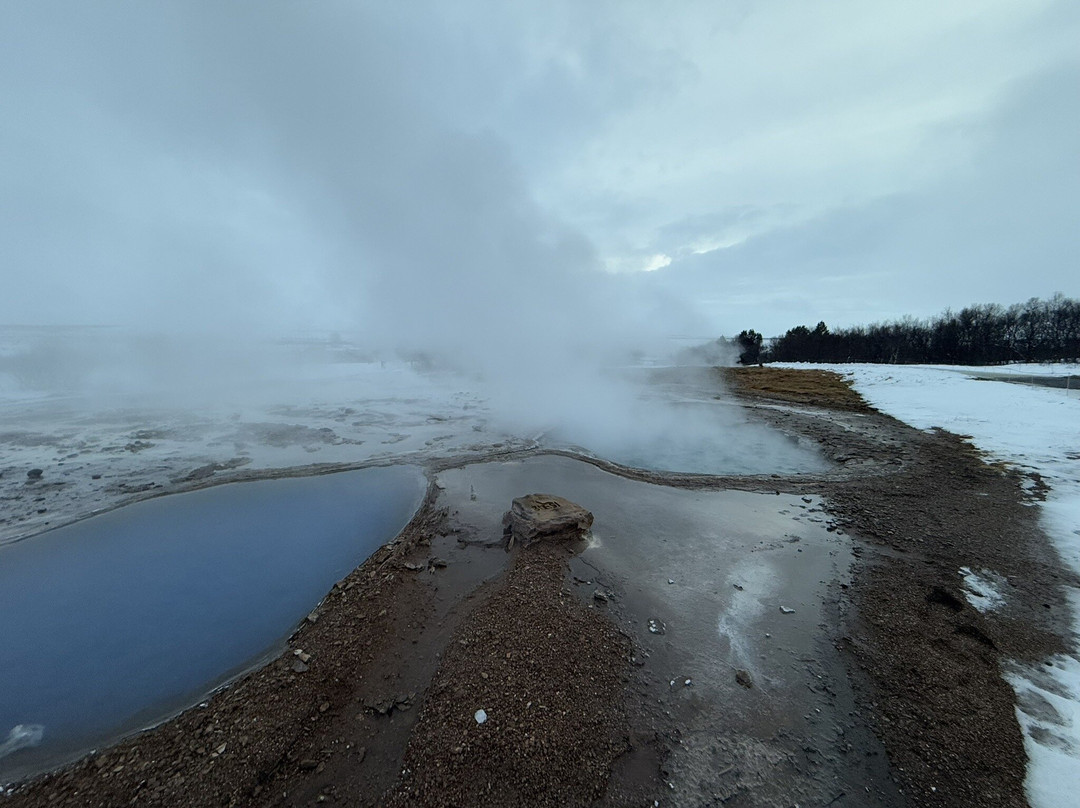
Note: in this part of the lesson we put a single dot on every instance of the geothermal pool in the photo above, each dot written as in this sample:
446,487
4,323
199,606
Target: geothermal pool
113,623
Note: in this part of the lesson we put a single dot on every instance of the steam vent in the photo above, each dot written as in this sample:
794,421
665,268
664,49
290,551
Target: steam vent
536,517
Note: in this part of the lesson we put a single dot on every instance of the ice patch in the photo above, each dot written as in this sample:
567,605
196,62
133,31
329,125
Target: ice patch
756,591
983,589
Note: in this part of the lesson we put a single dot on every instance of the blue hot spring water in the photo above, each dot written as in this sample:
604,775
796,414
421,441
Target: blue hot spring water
113,623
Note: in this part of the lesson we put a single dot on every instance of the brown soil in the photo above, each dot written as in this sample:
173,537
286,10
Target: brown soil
549,675
400,658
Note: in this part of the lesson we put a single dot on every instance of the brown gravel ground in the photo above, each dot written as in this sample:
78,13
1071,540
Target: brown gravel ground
383,714
550,675
932,663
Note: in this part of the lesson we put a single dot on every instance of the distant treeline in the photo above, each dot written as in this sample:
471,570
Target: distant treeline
1036,331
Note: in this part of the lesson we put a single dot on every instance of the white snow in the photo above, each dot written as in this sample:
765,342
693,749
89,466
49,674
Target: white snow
1020,369
983,589
1048,708
1036,429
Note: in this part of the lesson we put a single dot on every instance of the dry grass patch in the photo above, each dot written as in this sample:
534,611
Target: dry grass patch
819,388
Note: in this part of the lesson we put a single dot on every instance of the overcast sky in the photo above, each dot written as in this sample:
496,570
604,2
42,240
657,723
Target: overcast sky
409,167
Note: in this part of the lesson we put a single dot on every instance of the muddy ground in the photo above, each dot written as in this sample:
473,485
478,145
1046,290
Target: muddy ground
374,703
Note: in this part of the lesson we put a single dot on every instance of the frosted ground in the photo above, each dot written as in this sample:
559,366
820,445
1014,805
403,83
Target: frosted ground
108,416
1037,429
101,438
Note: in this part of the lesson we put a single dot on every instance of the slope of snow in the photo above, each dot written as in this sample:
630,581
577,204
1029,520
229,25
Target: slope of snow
1038,430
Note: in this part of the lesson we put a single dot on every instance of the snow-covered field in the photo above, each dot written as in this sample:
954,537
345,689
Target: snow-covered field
1013,369
1037,429
92,417
94,454
106,417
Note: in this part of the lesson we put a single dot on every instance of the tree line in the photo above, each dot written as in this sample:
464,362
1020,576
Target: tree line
987,334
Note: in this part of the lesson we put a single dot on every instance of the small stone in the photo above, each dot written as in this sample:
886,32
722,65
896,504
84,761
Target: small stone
656,626
480,716
382,706
298,666
600,595
303,657
307,764
744,679
786,610
34,474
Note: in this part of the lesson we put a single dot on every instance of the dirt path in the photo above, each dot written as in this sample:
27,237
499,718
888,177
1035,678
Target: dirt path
549,675
374,704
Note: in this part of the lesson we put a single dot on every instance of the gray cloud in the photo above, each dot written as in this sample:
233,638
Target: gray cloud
434,173
995,230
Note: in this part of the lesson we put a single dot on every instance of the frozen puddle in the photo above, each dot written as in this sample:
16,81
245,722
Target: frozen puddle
111,624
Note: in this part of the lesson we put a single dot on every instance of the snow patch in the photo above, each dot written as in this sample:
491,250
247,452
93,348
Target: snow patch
1048,709
983,589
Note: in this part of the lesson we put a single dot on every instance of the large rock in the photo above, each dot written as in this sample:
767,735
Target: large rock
534,517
